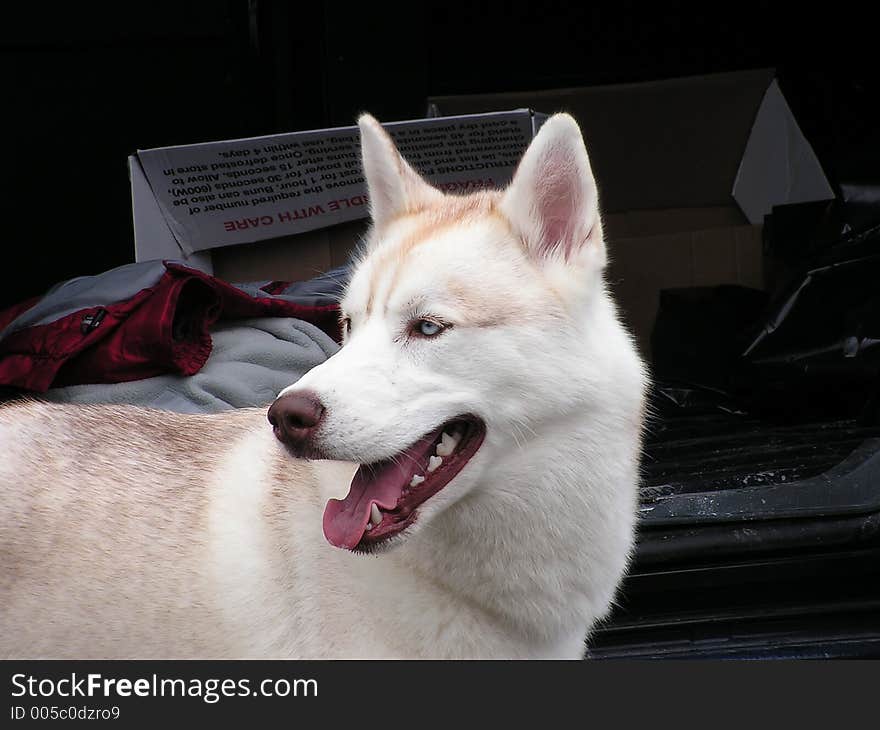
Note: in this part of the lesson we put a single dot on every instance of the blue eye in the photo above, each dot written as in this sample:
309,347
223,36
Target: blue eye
427,328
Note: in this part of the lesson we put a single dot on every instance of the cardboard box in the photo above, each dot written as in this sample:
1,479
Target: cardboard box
289,206
687,168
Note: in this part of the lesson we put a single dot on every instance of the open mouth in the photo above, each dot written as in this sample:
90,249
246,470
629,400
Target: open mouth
384,497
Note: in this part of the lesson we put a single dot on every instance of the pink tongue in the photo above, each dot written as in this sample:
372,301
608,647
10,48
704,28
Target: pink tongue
346,520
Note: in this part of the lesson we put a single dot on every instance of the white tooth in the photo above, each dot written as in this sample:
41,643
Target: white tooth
434,462
369,526
375,514
416,480
446,445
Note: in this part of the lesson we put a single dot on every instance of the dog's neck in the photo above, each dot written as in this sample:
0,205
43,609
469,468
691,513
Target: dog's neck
524,545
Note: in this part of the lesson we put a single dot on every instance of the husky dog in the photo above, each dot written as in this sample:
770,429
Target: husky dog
460,480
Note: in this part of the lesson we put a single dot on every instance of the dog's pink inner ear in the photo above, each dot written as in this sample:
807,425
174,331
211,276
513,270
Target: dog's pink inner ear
559,203
552,200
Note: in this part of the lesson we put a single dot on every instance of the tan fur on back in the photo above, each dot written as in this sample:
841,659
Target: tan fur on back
139,500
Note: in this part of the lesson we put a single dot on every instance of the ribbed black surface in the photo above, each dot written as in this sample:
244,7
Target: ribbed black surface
706,452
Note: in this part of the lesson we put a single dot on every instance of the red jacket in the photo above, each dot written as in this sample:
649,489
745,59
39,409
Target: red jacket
133,322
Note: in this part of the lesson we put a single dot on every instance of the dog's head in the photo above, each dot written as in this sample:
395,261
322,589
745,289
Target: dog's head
462,322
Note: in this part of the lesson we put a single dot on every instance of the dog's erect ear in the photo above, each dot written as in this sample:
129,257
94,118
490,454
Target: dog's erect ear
552,201
393,186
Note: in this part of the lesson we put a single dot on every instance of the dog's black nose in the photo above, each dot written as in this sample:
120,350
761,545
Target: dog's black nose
295,417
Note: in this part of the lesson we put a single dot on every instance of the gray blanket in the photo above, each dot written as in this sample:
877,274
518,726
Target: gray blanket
251,361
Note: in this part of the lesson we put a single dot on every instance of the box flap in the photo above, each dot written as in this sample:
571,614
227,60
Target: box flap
778,165
152,236
151,232
226,193
662,144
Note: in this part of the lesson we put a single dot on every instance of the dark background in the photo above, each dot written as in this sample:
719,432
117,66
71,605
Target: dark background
84,85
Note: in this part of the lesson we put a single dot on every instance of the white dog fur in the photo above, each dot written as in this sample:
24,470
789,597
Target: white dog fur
126,532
